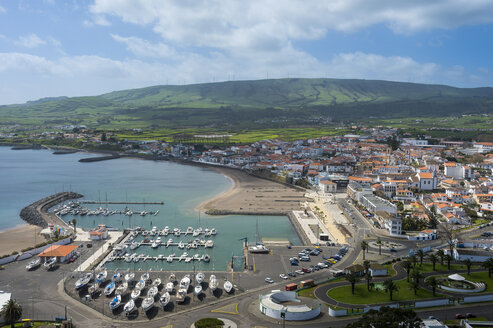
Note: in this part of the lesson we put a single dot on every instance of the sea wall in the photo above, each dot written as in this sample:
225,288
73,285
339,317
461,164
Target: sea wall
37,212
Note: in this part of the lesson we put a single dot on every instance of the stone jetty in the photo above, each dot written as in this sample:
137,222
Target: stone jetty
37,213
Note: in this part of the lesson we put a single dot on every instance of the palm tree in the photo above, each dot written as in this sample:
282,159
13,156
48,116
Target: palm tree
366,265
448,258
433,283
413,260
421,254
379,243
441,254
11,312
488,264
368,278
468,264
416,275
415,286
407,265
353,279
364,247
390,287
372,285
74,223
433,259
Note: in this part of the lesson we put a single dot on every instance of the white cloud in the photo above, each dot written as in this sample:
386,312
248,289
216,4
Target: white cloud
143,48
100,20
272,24
30,41
2,10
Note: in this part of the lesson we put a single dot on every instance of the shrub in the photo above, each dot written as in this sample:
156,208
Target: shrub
209,323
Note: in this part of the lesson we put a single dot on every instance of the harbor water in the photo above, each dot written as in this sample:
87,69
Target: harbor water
29,175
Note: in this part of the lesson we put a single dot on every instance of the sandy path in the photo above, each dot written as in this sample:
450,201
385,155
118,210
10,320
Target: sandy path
18,238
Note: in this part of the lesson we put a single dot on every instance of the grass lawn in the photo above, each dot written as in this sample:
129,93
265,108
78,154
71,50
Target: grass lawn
428,267
363,296
390,269
309,292
478,277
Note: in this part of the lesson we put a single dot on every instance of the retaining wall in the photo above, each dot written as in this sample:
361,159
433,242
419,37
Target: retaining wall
481,298
439,302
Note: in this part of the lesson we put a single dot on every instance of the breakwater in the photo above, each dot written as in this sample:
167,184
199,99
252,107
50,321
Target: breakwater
97,159
240,212
37,212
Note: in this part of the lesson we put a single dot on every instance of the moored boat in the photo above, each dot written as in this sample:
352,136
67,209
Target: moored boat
101,276
213,283
108,290
197,290
152,292
121,289
169,287
147,303
129,277
200,278
135,293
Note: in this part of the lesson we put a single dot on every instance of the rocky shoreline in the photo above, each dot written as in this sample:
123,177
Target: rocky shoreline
37,212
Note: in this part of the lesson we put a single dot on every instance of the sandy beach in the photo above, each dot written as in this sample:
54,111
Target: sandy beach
19,237
252,195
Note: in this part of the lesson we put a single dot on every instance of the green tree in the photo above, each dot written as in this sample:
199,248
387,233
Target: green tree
353,279
414,286
393,142
488,264
388,317
74,223
416,275
407,266
11,312
441,254
413,260
366,265
379,243
364,247
390,287
368,278
433,259
448,259
468,264
433,283
420,254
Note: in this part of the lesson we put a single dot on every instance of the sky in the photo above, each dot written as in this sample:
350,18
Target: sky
52,48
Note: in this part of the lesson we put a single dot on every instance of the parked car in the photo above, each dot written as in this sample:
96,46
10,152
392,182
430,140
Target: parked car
300,272
292,274
269,280
283,276
305,258
460,316
470,315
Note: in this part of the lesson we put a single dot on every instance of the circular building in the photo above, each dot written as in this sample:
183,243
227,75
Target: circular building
279,304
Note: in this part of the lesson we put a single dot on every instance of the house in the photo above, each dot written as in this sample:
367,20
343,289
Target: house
357,269
427,181
62,252
327,186
377,270
427,234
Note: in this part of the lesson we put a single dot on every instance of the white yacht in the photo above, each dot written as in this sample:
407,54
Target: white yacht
181,295
140,284
33,264
129,306
197,290
189,231
213,283
134,245
181,245
156,243
115,302
145,276
49,263
258,249
101,276
172,277
185,282
83,280
213,231
169,287
117,276
108,290
228,286
183,256
169,242
166,230
209,244
129,277
121,289
200,277
156,282
152,292
135,293
164,299
170,257
147,303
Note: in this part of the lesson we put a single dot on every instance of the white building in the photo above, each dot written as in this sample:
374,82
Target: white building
414,142
327,186
279,303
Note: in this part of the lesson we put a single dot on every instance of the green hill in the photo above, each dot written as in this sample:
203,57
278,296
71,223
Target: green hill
247,104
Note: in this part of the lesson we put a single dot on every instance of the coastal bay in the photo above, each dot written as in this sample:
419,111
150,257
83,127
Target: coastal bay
30,175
